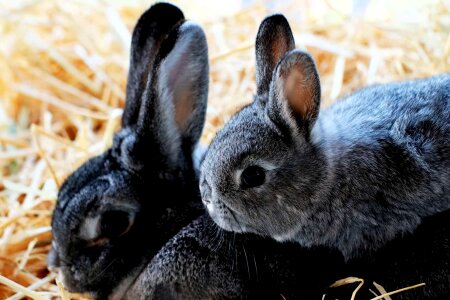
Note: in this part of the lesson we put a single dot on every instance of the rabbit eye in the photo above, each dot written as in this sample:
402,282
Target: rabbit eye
252,176
114,223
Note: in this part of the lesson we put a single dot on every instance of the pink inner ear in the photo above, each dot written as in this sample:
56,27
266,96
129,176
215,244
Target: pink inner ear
181,84
299,91
183,111
279,49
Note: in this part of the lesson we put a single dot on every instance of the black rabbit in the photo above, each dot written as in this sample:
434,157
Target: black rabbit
205,262
116,211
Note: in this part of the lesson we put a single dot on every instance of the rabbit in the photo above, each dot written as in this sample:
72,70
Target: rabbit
351,177
118,209
206,262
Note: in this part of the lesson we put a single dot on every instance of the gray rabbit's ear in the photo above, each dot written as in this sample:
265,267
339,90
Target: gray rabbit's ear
294,97
273,41
151,29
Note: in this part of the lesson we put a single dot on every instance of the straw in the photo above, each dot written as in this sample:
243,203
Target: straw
63,68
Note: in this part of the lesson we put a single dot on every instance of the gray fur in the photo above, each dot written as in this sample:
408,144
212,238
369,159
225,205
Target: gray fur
362,172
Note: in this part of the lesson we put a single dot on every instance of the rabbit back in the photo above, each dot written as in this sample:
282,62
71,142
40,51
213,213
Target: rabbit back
388,150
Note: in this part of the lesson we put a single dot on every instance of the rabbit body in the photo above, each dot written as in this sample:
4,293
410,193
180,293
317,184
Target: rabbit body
205,262
411,259
386,152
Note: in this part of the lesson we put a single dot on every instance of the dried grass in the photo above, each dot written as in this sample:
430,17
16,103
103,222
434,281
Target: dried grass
63,68
384,295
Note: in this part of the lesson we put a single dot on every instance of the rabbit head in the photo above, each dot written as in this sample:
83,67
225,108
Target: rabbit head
115,212
247,174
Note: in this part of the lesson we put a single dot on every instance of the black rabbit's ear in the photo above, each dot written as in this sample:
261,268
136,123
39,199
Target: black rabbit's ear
294,97
173,111
273,41
105,225
151,29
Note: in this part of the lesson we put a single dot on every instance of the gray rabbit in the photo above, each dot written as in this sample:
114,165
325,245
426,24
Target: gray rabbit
203,263
118,209
351,177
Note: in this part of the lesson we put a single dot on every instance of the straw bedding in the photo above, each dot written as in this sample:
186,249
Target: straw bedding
63,67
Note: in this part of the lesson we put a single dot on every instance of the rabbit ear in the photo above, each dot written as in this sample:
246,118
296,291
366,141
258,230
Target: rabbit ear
183,82
151,29
174,106
294,97
273,41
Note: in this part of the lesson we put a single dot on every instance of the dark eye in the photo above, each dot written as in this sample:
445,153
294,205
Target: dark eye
114,223
252,176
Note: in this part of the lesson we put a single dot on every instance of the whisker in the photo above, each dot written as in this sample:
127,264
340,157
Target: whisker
215,242
106,268
246,261
229,247
256,268
221,238
243,247
235,249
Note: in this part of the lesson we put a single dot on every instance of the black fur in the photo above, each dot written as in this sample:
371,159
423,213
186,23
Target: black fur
148,174
203,262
